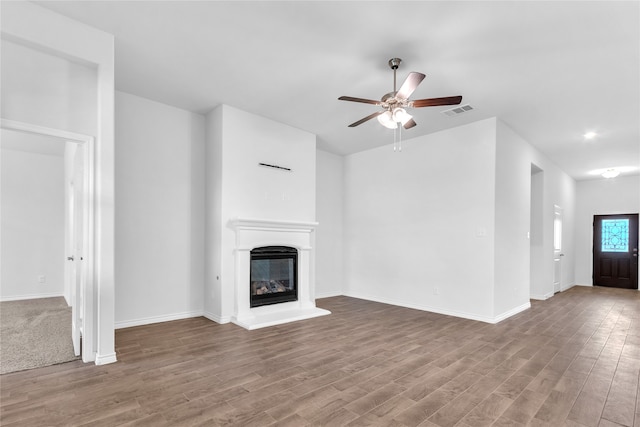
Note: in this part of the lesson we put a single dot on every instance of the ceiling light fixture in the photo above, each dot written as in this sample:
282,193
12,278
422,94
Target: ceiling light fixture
400,115
590,135
395,118
394,104
386,120
391,118
618,170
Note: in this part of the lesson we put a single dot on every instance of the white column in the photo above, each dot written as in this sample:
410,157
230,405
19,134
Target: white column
304,291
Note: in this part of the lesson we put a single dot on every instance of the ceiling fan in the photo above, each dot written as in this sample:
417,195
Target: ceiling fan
394,104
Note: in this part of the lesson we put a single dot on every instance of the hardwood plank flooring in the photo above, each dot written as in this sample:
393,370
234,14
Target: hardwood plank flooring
573,360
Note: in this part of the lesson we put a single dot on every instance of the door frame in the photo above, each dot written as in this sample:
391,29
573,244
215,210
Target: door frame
85,287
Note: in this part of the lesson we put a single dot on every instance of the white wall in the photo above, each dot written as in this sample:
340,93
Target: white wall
515,157
47,90
247,190
32,200
513,222
419,224
443,226
329,234
159,212
253,191
619,195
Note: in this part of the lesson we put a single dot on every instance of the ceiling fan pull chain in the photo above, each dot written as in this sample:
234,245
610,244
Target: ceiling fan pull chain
397,139
395,145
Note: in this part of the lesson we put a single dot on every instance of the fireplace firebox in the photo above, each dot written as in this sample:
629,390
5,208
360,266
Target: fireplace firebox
274,275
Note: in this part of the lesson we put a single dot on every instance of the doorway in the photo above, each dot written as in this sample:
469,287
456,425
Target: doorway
78,228
615,251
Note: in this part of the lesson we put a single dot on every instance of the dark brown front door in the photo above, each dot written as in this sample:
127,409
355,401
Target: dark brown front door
615,251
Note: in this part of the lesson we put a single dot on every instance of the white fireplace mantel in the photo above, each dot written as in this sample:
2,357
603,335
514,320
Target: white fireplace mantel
253,223
253,233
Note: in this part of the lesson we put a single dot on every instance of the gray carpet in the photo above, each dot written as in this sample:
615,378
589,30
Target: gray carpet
34,333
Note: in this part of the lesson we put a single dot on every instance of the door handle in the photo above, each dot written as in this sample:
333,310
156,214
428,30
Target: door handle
70,258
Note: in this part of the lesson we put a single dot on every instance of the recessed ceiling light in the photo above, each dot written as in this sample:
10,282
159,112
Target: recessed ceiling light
590,135
610,173
618,169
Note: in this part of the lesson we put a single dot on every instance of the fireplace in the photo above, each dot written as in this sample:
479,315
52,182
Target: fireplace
274,275
288,245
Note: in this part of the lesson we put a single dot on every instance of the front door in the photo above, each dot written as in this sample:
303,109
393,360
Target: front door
615,251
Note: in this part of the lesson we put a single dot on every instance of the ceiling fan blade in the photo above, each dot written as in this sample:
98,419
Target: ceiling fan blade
410,123
433,102
409,85
365,101
369,117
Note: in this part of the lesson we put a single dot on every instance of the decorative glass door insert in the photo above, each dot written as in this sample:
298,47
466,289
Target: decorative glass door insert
615,235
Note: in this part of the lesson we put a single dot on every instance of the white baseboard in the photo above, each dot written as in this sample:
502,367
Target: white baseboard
157,319
541,297
218,319
438,310
329,294
512,312
105,359
31,296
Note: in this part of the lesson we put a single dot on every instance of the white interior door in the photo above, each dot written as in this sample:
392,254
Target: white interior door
73,272
77,231
557,249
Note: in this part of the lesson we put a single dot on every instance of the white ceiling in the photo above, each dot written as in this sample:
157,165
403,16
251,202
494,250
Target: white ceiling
550,70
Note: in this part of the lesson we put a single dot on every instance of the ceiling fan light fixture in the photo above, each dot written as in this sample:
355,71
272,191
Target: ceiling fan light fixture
386,119
401,115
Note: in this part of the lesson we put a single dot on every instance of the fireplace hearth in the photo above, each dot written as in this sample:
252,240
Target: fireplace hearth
274,275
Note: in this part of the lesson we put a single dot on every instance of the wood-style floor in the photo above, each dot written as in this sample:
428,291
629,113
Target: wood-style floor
572,360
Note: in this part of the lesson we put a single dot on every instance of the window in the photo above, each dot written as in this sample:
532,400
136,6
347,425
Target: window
557,229
615,235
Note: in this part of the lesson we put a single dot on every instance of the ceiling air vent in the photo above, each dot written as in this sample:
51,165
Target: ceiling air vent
458,110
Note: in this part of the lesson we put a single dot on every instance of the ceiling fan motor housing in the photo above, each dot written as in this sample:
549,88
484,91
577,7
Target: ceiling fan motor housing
394,63
389,98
